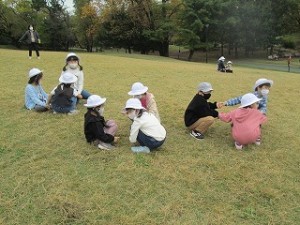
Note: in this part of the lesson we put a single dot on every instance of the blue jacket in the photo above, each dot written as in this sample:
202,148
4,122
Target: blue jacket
35,95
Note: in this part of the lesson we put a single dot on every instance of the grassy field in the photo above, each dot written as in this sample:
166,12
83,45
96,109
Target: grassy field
50,175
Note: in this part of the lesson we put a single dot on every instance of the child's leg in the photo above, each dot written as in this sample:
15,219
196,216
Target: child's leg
202,124
85,94
40,108
111,127
148,141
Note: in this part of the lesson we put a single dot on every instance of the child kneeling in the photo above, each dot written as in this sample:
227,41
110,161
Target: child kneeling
245,121
96,130
145,128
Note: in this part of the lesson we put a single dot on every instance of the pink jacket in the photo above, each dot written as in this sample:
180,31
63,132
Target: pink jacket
245,124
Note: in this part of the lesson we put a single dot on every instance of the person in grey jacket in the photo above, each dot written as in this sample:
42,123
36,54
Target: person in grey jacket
32,39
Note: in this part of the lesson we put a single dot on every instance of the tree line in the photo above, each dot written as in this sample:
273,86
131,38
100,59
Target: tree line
152,25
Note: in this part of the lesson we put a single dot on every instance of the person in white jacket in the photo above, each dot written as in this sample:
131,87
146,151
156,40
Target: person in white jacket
73,66
145,128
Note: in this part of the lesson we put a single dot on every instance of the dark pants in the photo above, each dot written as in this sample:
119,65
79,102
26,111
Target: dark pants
33,46
148,141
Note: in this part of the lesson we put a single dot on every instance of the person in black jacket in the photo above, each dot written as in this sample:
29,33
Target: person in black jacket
33,39
96,129
200,114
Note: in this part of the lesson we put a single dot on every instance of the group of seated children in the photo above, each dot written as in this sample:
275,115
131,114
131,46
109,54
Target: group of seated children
146,132
245,121
224,68
64,96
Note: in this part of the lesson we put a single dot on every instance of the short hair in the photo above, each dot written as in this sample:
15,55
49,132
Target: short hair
265,84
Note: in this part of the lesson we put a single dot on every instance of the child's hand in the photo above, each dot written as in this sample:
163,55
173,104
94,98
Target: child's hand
116,139
220,104
79,96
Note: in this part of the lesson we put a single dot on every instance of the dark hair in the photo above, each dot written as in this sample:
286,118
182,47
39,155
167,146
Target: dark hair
65,67
35,79
66,85
30,25
248,106
141,111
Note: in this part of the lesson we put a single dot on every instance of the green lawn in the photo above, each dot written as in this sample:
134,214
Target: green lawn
50,175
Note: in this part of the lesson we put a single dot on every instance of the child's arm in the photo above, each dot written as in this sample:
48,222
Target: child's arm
225,117
233,101
100,134
134,131
32,94
262,105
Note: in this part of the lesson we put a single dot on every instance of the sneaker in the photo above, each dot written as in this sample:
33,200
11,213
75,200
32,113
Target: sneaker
105,146
73,112
197,135
257,142
54,112
238,146
29,57
140,149
38,57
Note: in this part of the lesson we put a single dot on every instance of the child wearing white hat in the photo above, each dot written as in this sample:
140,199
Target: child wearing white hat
145,128
221,66
261,90
200,114
246,121
63,97
35,96
73,66
96,129
138,90
228,67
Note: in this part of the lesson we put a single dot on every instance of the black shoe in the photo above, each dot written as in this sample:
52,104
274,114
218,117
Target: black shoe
197,135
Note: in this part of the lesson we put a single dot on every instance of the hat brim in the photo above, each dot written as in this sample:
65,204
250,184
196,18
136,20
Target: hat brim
35,74
254,101
207,90
61,80
132,107
95,105
139,92
263,82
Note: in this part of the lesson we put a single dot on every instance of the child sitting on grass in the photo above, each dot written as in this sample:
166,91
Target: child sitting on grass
139,91
63,97
245,121
145,128
35,96
96,130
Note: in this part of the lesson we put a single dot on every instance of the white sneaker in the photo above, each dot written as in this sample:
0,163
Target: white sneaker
140,149
257,142
238,146
73,112
38,57
29,57
105,146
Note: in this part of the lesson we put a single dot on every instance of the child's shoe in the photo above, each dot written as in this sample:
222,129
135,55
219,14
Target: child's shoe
257,142
197,135
105,146
238,146
140,149
73,112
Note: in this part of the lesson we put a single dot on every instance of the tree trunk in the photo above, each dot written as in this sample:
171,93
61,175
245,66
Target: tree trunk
236,50
191,54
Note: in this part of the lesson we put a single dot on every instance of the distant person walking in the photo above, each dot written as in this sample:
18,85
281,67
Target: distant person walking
33,39
289,63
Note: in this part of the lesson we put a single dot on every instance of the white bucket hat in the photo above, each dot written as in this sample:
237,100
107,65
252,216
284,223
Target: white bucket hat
262,81
205,87
33,72
222,58
67,78
72,55
137,89
248,99
133,103
229,62
94,101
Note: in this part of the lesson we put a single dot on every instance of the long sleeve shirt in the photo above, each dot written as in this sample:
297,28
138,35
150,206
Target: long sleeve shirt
262,104
30,36
150,105
35,95
199,108
245,124
78,86
149,125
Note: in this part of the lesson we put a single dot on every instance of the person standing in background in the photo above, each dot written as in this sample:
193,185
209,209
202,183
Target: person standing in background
32,39
289,63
